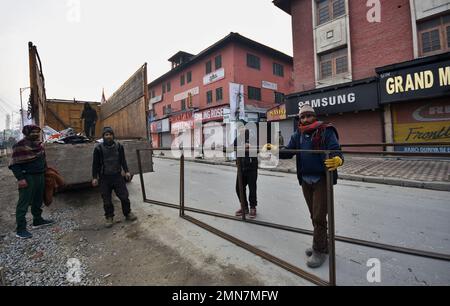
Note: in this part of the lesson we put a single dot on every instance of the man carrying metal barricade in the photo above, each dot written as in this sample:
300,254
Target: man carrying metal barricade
311,172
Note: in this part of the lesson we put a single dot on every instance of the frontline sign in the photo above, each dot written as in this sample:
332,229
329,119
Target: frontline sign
432,80
346,99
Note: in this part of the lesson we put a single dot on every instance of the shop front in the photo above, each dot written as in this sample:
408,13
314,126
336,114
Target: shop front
160,133
213,129
182,129
278,115
418,96
352,108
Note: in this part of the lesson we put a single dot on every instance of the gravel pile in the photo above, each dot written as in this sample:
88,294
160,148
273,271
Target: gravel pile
42,261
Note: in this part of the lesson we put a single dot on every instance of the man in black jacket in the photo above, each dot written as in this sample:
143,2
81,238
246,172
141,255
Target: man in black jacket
90,118
109,161
249,169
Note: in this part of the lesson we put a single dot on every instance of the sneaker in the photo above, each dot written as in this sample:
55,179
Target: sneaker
131,217
316,260
109,222
24,234
309,252
42,223
252,214
239,213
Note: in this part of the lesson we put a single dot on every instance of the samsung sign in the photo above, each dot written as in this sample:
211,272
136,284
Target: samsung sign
342,100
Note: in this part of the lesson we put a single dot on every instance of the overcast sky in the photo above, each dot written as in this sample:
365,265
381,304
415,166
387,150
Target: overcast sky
108,40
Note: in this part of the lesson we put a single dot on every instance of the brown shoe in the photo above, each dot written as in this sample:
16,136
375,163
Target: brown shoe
239,213
131,217
109,222
252,214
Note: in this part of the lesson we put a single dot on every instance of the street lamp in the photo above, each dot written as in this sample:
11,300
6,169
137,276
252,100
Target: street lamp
21,106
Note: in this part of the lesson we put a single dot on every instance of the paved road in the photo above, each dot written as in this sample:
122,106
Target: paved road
408,217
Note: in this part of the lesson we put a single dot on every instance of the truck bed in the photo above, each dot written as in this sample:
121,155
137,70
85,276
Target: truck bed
74,162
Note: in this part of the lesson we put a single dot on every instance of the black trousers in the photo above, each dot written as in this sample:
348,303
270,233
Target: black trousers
89,129
249,177
108,183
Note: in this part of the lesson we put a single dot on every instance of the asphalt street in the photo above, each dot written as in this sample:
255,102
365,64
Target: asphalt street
408,217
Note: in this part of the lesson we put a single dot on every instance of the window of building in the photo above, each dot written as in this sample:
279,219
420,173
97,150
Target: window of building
333,64
153,94
278,69
218,61
167,109
183,104
208,67
182,80
164,88
189,77
254,93
253,61
279,97
328,10
169,87
219,94
209,97
434,35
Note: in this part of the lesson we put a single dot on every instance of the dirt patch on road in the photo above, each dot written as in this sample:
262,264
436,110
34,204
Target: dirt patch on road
127,254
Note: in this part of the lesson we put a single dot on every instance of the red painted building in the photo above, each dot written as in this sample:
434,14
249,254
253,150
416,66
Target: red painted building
198,86
339,47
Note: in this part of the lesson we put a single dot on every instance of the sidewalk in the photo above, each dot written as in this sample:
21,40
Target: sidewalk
407,172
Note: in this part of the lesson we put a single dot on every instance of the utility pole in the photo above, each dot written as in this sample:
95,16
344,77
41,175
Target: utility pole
21,106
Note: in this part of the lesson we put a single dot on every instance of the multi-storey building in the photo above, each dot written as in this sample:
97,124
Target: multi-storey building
201,87
379,70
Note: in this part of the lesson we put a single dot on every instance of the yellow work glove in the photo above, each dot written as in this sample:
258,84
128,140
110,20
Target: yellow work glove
333,163
269,147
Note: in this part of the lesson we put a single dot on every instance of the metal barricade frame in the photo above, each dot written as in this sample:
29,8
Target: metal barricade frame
330,206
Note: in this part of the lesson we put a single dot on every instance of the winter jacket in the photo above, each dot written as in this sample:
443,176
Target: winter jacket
313,164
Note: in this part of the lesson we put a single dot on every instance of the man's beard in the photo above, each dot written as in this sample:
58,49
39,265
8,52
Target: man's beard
108,141
307,123
33,138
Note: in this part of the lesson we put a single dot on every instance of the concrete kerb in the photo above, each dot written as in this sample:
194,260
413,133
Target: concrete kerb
440,186
2,277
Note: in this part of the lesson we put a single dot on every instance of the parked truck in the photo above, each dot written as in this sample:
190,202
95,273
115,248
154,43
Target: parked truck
125,112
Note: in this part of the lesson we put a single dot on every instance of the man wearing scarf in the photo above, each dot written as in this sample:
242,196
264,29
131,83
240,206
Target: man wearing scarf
311,173
109,161
28,165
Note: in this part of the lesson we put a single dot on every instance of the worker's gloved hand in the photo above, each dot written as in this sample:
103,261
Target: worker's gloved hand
333,163
269,147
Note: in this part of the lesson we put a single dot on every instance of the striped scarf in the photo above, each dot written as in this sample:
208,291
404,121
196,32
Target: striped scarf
26,151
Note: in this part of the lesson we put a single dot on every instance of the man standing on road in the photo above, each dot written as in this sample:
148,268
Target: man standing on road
311,172
109,161
280,139
249,170
90,119
28,165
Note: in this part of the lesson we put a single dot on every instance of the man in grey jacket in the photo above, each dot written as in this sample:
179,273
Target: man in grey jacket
109,161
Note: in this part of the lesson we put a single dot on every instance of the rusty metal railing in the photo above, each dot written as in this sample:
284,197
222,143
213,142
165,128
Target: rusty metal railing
330,207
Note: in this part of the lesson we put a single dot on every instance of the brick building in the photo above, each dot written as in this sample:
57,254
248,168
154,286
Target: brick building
200,87
348,52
